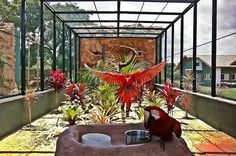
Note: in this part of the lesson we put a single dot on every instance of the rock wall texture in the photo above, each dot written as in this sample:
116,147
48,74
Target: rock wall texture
7,49
89,46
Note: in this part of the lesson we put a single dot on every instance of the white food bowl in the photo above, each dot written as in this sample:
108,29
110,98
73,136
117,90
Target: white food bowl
96,140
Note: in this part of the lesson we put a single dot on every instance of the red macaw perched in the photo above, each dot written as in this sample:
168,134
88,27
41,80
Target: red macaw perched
129,84
160,124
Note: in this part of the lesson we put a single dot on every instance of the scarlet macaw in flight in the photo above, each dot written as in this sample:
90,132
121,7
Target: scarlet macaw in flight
129,84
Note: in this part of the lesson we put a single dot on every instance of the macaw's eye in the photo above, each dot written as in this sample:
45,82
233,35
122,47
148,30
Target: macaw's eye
146,116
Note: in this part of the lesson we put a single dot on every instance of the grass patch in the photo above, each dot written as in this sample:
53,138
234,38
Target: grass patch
228,93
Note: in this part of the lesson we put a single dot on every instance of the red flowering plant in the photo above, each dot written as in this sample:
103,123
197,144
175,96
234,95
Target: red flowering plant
170,95
57,81
76,93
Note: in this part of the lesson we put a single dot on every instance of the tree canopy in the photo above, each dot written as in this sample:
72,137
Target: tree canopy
10,11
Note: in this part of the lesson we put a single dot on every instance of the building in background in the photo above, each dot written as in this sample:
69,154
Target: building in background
225,69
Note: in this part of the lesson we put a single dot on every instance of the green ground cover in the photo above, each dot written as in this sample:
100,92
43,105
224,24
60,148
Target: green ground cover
229,93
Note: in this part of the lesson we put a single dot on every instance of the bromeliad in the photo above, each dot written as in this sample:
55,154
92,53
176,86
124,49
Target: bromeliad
129,85
75,93
57,80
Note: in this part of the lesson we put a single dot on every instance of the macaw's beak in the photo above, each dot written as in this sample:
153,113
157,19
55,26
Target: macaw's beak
146,118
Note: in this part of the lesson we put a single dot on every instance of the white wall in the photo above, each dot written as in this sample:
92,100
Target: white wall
200,65
218,75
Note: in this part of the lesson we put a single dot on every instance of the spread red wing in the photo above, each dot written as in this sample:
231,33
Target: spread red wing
111,78
148,74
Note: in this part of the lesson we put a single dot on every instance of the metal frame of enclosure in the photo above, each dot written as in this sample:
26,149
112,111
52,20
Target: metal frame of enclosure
160,34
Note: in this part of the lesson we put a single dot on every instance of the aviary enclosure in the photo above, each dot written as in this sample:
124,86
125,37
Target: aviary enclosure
110,73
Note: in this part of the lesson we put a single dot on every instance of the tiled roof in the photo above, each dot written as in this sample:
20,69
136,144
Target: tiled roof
221,60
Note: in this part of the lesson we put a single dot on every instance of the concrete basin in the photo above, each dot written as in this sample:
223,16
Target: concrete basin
69,143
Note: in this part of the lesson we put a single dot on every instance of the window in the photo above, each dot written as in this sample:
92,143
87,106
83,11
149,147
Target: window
188,71
197,64
207,76
222,77
226,76
232,76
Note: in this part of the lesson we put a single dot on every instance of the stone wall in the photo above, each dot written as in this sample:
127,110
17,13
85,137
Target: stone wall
147,48
7,49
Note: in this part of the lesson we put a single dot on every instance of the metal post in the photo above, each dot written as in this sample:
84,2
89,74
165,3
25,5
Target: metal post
181,51
54,57
118,18
41,46
194,45
23,49
76,64
160,55
214,47
172,52
156,56
70,49
165,55
63,47
79,56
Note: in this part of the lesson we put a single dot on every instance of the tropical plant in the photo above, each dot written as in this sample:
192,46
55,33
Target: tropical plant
30,100
75,93
105,104
186,97
188,81
105,112
88,79
170,96
153,98
105,93
139,111
57,81
134,66
71,113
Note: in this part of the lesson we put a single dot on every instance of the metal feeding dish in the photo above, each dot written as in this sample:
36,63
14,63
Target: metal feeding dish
137,137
